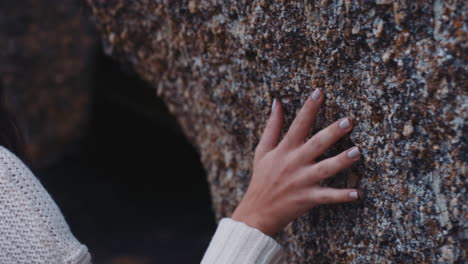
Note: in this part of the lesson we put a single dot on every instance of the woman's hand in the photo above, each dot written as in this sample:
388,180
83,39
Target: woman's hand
286,179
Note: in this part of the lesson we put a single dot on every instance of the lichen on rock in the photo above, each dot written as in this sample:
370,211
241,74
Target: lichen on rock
397,68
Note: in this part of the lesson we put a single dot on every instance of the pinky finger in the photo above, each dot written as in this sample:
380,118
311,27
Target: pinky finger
327,195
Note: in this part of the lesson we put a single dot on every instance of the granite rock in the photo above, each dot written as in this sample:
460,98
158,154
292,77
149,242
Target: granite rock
397,68
46,48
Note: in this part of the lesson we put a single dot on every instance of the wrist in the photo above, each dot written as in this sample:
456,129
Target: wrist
254,221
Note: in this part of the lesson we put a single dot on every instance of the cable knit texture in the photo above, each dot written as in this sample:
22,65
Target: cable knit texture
32,228
237,243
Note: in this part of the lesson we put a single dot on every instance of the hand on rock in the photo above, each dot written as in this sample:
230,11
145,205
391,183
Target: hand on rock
286,180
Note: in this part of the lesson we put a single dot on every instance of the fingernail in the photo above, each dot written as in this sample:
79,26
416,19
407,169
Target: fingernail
353,195
354,153
316,94
273,107
344,123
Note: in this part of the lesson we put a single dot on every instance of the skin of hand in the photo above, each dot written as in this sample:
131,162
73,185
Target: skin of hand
286,180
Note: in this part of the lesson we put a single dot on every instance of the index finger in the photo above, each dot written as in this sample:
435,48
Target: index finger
301,125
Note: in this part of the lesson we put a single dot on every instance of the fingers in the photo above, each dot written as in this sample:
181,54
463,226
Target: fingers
327,195
331,166
272,132
324,139
304,120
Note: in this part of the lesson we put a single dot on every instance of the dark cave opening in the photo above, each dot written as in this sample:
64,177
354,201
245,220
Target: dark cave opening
135,192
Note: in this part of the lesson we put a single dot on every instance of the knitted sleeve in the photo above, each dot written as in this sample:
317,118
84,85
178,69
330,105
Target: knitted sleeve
32,228
237,243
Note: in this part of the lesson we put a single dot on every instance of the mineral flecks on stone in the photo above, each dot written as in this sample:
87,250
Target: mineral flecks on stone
397,68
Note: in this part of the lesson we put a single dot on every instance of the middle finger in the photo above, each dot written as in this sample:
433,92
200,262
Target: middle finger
324,139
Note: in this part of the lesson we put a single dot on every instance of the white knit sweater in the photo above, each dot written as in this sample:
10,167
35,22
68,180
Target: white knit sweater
236,243
33,230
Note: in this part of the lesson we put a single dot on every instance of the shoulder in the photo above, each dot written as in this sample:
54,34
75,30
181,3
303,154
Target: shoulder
8,158
11,165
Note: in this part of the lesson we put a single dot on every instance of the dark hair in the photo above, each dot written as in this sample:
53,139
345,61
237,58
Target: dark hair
10,135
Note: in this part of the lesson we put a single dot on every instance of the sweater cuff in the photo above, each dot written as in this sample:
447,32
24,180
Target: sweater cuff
235,242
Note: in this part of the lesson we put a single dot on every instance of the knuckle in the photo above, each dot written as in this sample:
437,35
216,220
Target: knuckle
322,196
292,187
287,166
269,124
345,160
325,198
316,142
303,200
299,184
285,169
341,161
301,123
319,198
323,171
298,194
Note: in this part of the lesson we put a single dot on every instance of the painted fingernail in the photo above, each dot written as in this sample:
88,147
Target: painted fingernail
316,94
354,153
273,107
344,123
353,195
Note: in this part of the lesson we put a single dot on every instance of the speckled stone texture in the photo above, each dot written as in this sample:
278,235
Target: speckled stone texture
45,47
398,68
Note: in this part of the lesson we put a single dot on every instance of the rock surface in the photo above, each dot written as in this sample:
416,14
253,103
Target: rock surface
398,68
45,50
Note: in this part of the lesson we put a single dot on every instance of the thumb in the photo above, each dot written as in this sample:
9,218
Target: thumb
272,132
